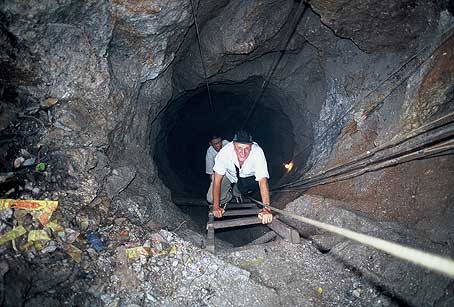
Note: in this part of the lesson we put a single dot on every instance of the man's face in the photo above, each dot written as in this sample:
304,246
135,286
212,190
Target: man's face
216,143
242,151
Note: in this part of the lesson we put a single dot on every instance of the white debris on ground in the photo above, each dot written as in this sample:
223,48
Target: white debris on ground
116,263
123,264
176,273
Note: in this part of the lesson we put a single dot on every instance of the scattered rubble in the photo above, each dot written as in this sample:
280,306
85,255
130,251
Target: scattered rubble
136,267
122,264
48,102
119,263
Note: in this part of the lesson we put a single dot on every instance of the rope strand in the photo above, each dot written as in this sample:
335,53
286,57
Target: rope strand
426,135
299,13
201,57
430,261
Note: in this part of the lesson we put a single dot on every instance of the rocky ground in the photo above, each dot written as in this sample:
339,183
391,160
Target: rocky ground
136,267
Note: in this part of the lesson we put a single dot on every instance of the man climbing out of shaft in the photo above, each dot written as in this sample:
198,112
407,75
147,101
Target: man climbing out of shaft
216,143
243,162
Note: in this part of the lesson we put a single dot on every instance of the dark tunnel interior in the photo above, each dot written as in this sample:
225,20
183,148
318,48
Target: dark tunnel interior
188,123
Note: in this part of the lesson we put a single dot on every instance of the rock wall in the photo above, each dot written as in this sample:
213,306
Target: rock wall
104,63
413,193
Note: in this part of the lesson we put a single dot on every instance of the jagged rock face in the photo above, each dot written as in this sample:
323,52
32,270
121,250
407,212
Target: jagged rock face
68,40
379,26
93,57
239,31
147,34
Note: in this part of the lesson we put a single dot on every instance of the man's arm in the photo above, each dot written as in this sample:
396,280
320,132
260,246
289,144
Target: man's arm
265,215
217,210
264,190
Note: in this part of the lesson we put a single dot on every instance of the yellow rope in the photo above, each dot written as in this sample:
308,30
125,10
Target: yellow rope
431,261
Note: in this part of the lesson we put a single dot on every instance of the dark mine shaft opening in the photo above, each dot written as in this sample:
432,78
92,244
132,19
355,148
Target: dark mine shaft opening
188,122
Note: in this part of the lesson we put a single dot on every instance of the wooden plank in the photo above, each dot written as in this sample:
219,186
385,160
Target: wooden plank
210,233
210,218
286,232
242,212
199,202
236,222
270,235
241,206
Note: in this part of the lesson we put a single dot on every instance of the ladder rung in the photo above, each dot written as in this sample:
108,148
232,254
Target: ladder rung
241,206
237,222
241,212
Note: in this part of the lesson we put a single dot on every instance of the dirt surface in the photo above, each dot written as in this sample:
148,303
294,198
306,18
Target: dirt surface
302,276
409,284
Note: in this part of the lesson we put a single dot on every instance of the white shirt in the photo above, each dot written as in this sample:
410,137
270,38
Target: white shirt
255,164
209,158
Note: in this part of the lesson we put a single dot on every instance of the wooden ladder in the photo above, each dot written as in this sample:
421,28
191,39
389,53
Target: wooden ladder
247,215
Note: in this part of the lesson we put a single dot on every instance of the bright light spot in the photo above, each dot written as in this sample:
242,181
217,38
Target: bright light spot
288,166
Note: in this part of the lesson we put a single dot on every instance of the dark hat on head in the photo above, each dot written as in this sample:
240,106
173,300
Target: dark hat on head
243,137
